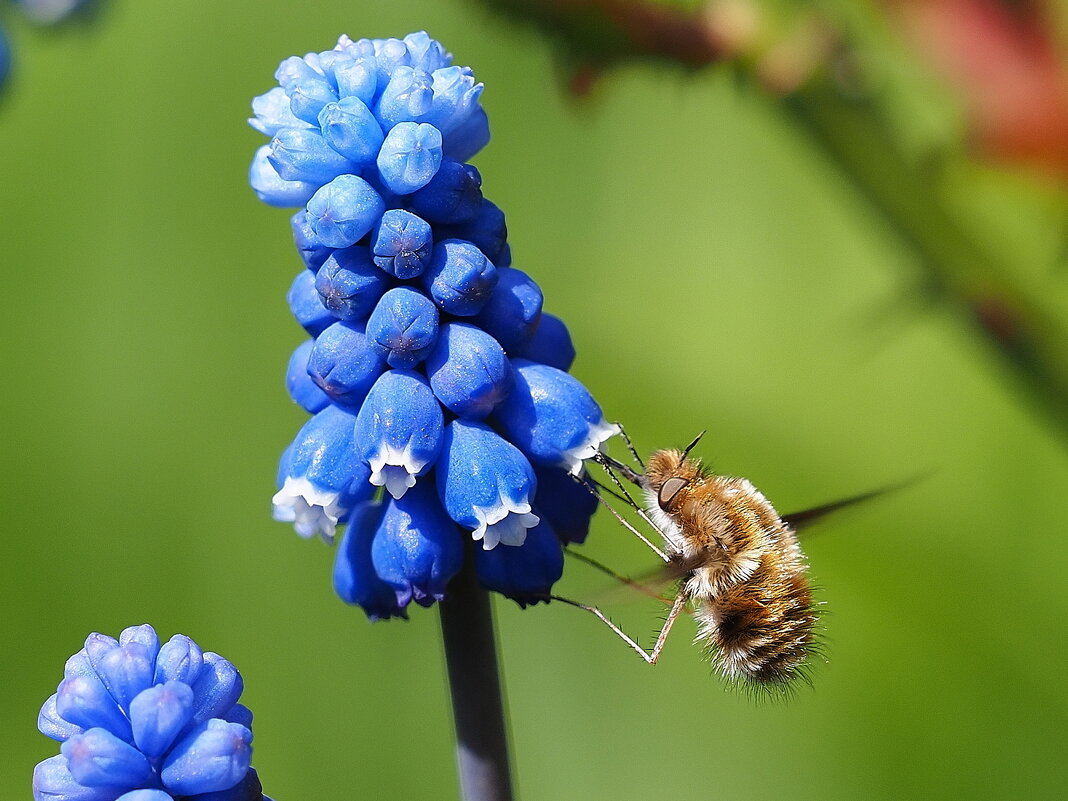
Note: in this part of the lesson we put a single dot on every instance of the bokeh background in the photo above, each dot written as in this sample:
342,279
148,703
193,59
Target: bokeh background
716,272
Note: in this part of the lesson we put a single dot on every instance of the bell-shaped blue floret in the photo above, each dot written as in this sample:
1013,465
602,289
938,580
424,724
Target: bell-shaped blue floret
301,154
271,188
344,211
468,370
486,484
159,714
410,157
323,475
511,314
402,244
487,231
312,251
405,326
408,97
551,344
453,195
212,757
469,137
565,503
398,430
307,304
460,279
525,574
304,392
417,548
350,284
551,417
351,129
345,363
98,758
355,579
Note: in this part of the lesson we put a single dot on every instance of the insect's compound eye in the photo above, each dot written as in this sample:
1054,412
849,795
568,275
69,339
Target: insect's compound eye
669,489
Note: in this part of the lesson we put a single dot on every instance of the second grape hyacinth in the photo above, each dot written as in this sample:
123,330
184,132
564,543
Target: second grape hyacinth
441,405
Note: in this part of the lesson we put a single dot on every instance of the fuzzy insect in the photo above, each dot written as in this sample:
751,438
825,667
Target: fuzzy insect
742,571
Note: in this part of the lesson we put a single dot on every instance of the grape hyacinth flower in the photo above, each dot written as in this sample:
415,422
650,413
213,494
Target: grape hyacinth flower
141,721
442,408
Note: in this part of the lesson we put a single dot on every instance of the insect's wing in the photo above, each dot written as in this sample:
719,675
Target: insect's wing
652,583
801,521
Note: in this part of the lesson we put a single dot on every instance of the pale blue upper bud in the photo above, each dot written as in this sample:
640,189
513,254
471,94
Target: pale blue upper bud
344,211
271,188
525,574
398,430
468,370
551,417
98,758
410,157
159,714
402,244
405,325
469,137
417,548
273,112
350,284
455,99
408,97
345,363
307,304
426,53
304,392
307,96
550,344
511,314
301,154
212,757
357,76
293,69
460,279
351,129
312,251
486,484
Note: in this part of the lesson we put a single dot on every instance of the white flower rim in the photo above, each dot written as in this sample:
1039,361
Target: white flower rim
310,509
572,459
395,469
506,523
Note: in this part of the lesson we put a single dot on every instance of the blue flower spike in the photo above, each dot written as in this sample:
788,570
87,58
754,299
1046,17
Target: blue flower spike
176,735
398,431
442,412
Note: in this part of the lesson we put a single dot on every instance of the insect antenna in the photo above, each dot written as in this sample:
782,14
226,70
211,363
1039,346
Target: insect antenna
649,656
623,521
630,445
693,444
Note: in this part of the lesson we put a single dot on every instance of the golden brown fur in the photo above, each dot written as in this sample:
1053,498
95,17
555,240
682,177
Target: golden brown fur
741,565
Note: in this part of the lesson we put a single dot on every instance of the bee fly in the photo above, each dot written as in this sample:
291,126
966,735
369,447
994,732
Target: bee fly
739,562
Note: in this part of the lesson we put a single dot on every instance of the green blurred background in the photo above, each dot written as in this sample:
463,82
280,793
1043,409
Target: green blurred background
715,273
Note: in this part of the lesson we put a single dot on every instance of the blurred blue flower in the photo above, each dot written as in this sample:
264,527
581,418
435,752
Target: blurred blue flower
420,329
143,722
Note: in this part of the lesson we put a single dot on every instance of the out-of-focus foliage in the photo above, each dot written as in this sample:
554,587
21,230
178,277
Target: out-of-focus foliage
715,273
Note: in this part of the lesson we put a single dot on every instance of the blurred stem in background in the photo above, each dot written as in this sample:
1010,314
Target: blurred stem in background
475,685
808,67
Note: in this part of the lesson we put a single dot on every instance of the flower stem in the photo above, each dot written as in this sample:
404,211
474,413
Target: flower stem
475,686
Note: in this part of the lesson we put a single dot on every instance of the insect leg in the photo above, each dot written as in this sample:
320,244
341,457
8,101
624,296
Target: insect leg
623,521
649,656
630,445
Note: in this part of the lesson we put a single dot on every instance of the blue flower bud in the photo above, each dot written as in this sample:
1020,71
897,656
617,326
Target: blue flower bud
469,137
460,279
350,284
272,112
248,789
408,97
269,186
51,724
126,671
453,194
308,96
180,659
351,129
5,58
159,714
312,251
216,688
301,154
416,548
355,579
357,77
525,574
98,758
85,702
214,756
307,304
342,212
144,635
405,325
552,417
304,392
456,99
486,484
551,344
294,69
426,53
398,430
402,244
410,157
345,363
323,477
148,795
390,55
486,230
52,781
468,370
565,503
512,312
